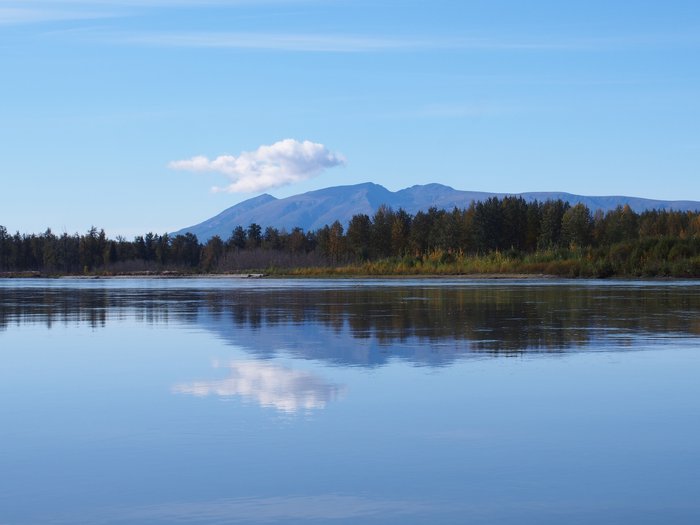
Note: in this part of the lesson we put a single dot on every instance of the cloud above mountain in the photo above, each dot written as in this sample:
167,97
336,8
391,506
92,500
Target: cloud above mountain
270,166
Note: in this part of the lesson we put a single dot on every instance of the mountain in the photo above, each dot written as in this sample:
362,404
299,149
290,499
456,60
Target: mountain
315,209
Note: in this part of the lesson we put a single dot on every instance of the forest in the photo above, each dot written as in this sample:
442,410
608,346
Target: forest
496,236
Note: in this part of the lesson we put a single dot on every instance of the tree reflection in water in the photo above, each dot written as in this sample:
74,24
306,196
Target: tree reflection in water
367,325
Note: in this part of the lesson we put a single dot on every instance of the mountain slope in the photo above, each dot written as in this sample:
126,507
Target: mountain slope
315,209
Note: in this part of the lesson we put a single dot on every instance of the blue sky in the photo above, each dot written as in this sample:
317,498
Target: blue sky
104,104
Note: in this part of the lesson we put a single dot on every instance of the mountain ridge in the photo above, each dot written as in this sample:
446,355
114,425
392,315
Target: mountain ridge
315,209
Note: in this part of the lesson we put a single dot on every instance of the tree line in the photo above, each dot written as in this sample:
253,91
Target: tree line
619,242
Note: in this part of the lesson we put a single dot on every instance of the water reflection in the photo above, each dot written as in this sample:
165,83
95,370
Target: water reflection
269,385
95,429
320,508
369,325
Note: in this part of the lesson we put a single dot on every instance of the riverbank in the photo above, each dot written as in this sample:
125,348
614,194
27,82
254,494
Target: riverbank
306,273
627,263
277,275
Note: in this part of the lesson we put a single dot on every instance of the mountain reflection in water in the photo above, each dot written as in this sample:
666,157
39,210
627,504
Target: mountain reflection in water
368,325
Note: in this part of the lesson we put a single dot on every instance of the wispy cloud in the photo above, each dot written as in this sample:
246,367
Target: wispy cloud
59,4
15,12
284,41
34,15
447,111
278,164
33,11
349,43
462,111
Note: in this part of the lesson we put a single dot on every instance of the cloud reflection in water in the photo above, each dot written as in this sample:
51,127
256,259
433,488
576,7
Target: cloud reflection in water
269,385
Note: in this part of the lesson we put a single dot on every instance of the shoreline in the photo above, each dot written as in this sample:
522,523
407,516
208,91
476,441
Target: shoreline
487,276
490,276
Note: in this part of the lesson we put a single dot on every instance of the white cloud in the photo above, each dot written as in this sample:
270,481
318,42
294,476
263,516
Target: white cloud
278,164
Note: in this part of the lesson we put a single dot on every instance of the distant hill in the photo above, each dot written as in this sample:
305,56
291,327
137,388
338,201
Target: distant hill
315,209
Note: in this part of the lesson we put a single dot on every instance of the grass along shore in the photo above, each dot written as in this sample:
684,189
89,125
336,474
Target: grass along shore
559,263
566,263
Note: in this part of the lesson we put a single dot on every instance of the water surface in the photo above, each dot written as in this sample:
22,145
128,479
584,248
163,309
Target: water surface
349,401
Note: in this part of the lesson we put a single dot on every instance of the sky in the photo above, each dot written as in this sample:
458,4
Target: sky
153,115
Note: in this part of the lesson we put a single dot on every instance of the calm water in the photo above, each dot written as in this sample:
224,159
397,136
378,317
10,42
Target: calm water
406,402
